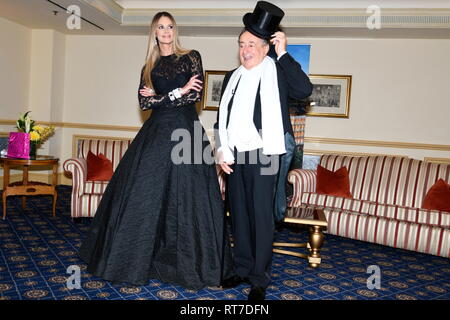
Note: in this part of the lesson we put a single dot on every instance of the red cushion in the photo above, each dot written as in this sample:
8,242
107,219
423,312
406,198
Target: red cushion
333,183
438,197
99,168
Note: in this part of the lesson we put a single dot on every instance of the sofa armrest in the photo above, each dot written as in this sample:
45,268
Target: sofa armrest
303,181
78,168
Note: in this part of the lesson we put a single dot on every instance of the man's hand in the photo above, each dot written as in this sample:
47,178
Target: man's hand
279,40
226,167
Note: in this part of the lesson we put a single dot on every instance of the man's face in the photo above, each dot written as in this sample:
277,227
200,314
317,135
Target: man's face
252,50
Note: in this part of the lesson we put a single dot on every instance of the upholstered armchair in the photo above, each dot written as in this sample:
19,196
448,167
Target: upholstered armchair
86,195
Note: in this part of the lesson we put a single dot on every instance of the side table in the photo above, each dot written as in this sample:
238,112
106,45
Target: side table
28,188
315,220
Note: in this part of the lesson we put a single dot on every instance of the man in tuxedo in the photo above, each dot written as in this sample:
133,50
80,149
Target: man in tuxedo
252,127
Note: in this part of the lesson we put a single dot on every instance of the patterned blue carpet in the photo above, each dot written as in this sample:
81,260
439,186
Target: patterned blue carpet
37,249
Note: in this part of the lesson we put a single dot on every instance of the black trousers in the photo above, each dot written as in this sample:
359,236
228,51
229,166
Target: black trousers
251,195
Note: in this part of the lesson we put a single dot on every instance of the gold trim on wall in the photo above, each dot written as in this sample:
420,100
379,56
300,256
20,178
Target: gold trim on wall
321,140
346,153
92,126
437,160
6,122
374,143
78,125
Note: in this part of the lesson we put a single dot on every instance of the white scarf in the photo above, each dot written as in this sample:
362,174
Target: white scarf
271,119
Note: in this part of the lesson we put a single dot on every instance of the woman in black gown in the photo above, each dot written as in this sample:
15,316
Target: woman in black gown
159,218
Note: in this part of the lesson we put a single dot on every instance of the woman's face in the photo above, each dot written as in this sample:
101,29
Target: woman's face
164,30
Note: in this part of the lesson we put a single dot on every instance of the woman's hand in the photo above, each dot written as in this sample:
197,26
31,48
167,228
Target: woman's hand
147,92
193,84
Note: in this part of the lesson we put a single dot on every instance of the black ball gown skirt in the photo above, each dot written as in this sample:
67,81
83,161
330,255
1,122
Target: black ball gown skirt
159,219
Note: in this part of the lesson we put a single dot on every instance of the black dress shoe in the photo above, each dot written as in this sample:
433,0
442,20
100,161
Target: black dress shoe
232,282
257,293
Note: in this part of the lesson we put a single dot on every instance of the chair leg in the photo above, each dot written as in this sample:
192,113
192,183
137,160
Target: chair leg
55,197
4,205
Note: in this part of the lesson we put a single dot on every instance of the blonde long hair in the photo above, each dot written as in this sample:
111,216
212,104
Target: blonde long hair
153,53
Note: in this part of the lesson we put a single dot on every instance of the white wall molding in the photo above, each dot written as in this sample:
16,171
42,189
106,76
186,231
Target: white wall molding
295,17
347,18
108,7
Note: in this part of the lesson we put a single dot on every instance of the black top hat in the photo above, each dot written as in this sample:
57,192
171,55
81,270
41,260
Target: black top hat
264,20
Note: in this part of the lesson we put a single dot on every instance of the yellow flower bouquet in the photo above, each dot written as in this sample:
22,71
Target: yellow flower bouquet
38,134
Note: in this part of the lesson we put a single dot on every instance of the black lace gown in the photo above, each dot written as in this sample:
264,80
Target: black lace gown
158,218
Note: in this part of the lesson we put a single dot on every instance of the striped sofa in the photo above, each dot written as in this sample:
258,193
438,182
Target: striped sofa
86,195
387,198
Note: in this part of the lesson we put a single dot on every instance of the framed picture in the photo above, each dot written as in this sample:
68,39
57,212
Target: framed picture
212,89
330,96
301,53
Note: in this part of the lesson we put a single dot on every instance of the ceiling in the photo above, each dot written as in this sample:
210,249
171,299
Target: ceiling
428,19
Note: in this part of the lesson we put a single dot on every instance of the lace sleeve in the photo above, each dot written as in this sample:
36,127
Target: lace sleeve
153,102
195,68
158,101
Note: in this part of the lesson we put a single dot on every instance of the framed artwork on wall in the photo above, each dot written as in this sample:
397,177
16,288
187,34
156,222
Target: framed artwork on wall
212,89
330,96
301,53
